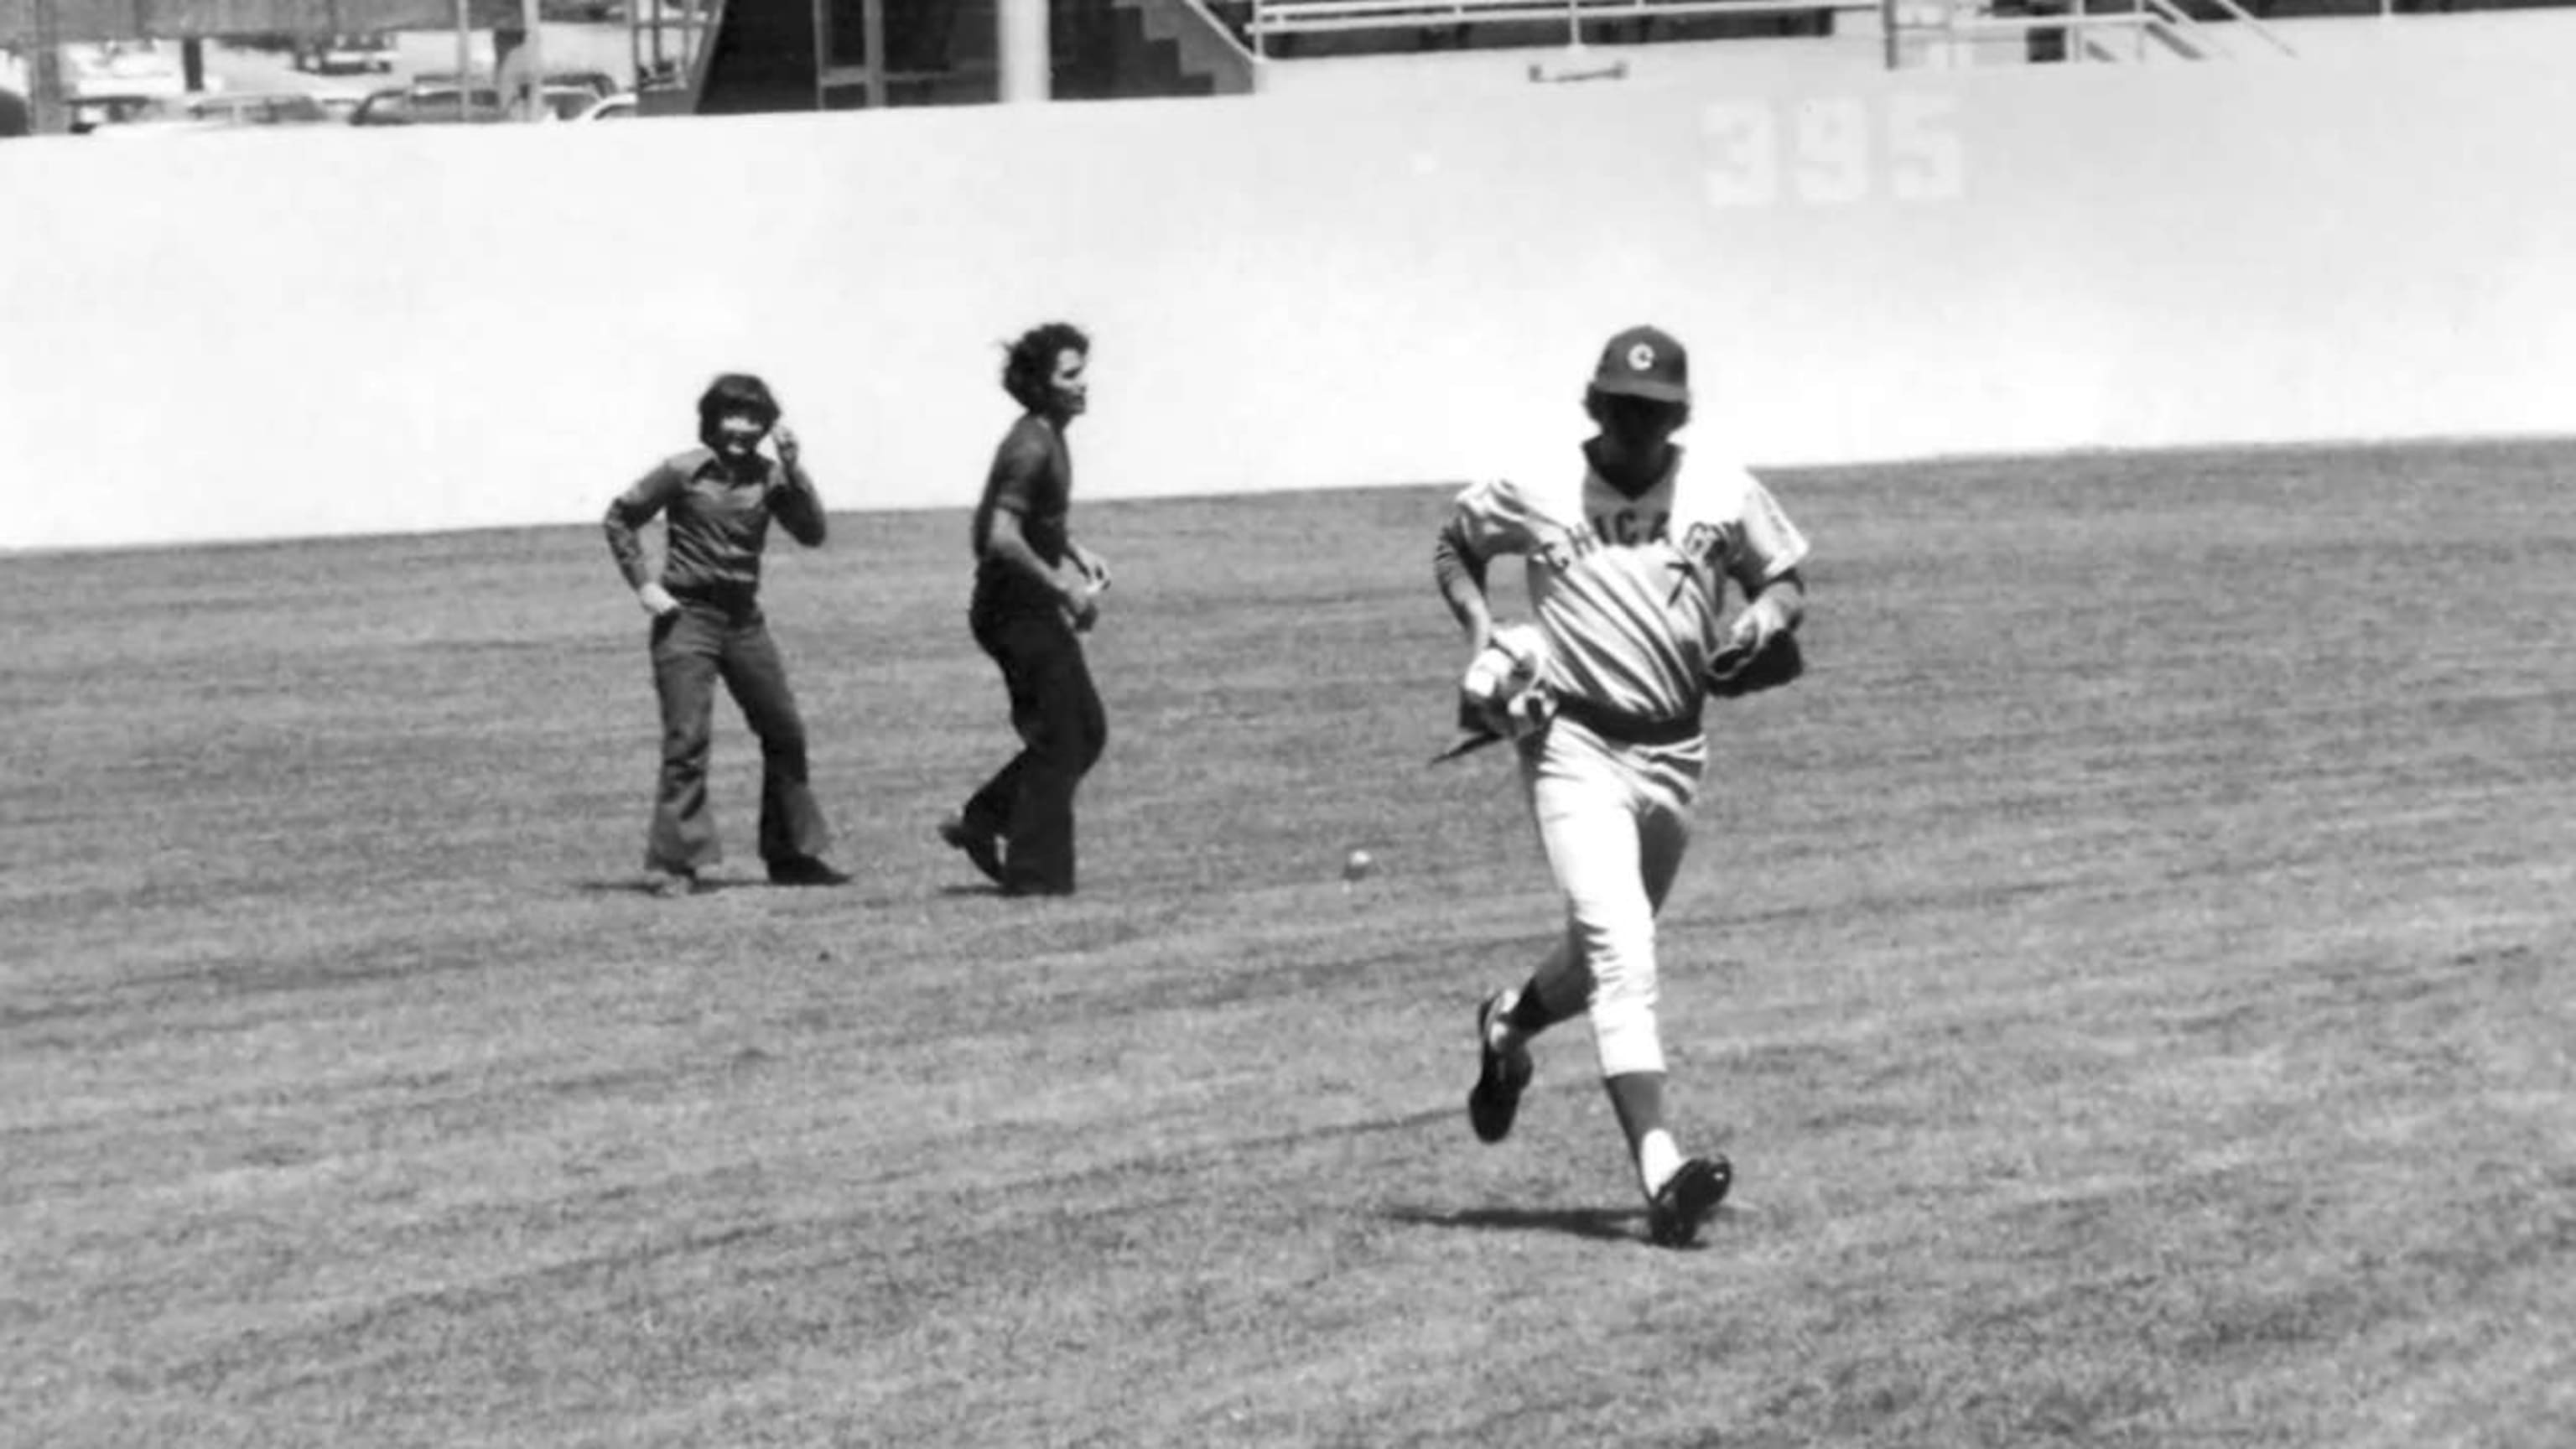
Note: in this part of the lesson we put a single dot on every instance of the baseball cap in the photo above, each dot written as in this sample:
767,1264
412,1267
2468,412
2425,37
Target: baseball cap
1644,362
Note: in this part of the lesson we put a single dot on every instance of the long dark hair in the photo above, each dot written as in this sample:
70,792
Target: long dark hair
1031,361
734,392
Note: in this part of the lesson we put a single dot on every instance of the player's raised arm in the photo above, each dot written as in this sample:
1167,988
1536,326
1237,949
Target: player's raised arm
793,499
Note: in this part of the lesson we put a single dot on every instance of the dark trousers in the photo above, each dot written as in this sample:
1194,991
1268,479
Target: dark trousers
1056,710
693,647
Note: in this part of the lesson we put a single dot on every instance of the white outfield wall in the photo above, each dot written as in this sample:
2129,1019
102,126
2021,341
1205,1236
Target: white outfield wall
319,332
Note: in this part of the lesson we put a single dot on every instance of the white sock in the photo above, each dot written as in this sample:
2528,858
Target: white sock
1498,1033
1657,1160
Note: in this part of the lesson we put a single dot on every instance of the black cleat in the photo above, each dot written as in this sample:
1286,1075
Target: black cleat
1500,1076
1687,1198
982,847
805,870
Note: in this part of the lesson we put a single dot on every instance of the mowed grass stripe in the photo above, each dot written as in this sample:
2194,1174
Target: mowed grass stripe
2130,974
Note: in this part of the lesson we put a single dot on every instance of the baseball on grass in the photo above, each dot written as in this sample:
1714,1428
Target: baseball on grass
1358,865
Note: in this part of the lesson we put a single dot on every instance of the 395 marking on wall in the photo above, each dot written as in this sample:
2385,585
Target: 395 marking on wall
1833,150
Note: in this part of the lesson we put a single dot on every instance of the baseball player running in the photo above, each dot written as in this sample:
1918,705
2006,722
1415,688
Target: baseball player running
1627,567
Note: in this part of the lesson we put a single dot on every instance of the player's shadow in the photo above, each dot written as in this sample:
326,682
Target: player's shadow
638,886
1605,1224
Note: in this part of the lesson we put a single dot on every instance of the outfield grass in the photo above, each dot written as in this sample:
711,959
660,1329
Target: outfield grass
2131,975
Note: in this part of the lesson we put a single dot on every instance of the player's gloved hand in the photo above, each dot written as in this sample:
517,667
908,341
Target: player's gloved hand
1754,629
657,600
1761,652
783,438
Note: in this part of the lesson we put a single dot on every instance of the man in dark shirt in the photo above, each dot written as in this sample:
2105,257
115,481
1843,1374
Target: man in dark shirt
717,501
1036,590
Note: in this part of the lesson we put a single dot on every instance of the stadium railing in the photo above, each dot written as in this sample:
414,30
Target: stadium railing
1270,20
2081,30
2073,30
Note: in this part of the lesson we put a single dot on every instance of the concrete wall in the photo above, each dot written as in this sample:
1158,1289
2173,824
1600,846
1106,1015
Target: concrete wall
319,332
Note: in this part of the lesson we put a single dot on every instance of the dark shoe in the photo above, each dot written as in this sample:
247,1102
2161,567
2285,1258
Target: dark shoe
982,847
1500,1076
805,870
670,884
1692,1193
1019,890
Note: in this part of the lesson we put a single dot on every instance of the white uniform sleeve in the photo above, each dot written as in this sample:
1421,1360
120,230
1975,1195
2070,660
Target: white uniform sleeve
1767,544
1492,518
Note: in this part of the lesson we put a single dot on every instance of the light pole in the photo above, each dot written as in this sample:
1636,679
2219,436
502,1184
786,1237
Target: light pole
1026,65
464,60
45,108
530,17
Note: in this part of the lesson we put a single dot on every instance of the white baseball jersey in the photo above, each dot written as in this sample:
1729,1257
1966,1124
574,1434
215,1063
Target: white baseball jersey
1630,591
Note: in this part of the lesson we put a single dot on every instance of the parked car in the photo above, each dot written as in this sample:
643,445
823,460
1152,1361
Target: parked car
356,54
568,103
593,84
340,105
430,106
599,83
146,123
90,114
254,108
619,107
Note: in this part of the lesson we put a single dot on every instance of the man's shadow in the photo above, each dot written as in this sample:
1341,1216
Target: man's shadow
1601,1224
1598,1223
637,886
714,885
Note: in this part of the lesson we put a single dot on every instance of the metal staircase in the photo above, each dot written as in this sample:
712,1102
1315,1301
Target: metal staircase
1960,34
1108,49
668,41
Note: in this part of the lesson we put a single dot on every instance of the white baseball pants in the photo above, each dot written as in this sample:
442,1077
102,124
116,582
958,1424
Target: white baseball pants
1614,820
